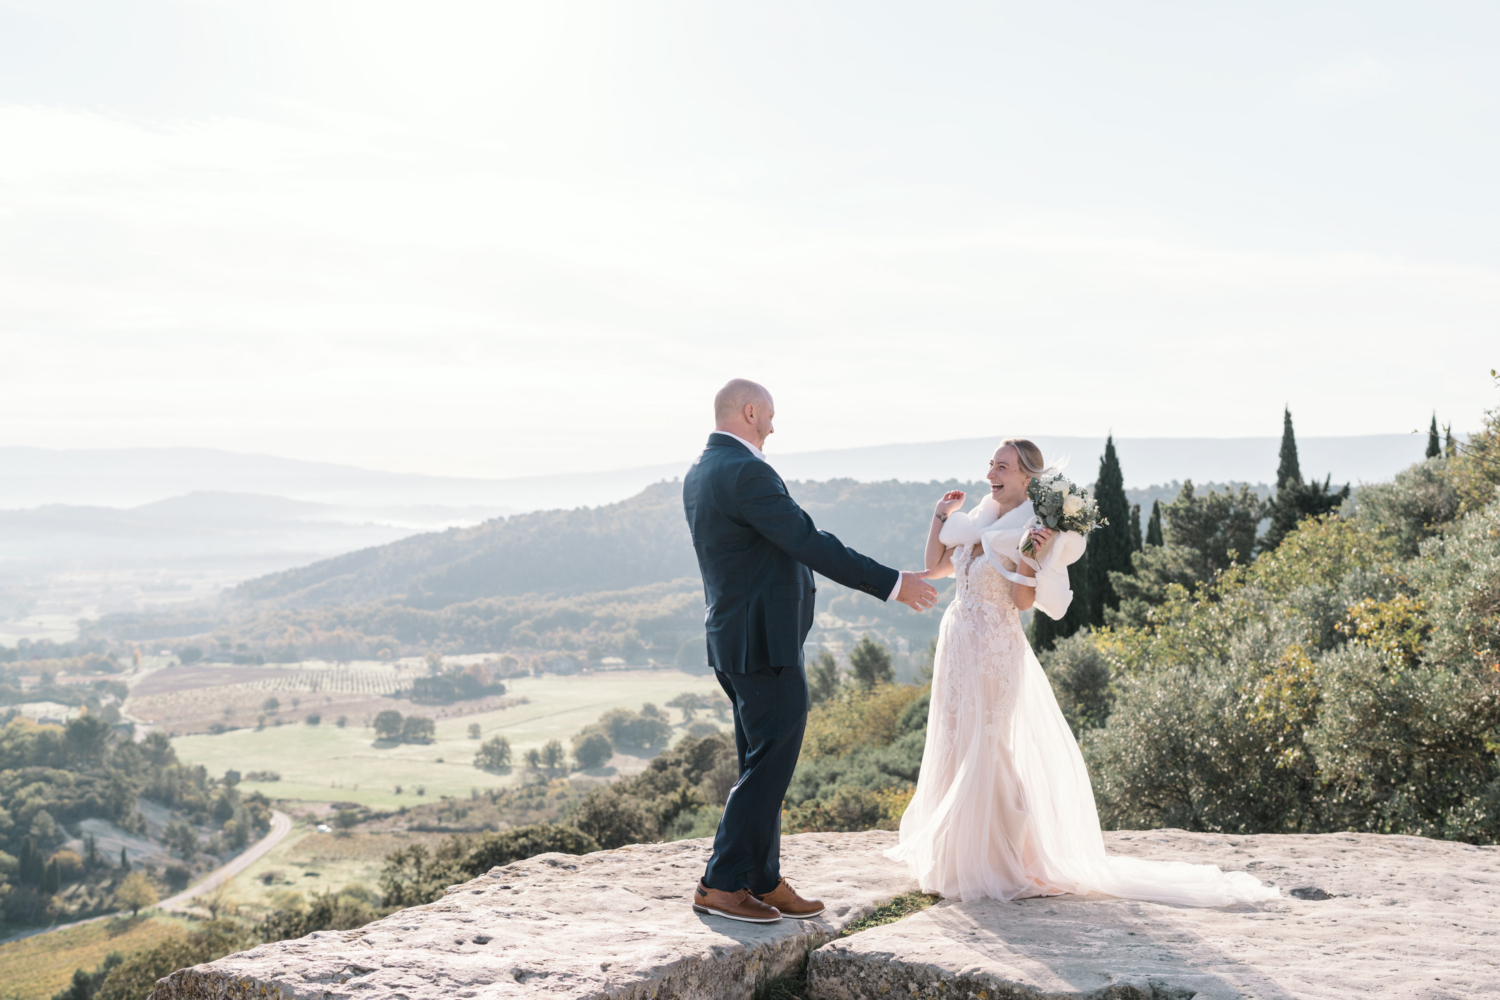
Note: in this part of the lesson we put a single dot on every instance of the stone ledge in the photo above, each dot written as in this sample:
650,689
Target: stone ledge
1402,917
614,924
1385,917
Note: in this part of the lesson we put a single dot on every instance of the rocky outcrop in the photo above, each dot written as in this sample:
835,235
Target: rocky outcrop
1362,916
613,924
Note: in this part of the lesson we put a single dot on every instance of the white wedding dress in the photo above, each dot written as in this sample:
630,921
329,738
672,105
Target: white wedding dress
1003,807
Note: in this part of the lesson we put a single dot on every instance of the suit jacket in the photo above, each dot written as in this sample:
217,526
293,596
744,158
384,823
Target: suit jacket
757,550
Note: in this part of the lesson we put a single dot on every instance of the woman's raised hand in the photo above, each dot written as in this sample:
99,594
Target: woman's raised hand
952,500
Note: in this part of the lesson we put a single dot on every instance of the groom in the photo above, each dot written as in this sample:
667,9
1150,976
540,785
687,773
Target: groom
757,550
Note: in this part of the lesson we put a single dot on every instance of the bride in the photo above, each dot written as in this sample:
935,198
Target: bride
1004,808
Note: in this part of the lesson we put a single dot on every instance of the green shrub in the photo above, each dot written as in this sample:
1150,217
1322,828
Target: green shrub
1080,676
494,754
1412,507
592,748
850,808
417,729
343,910
636,729
136,976
1458,576
1153,569
613,818
1408,749
525,842
1183,748
85,985
388,725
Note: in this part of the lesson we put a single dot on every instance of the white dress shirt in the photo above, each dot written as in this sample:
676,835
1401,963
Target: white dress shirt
762,456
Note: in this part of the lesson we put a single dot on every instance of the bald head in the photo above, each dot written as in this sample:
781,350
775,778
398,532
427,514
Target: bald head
744,408
735,396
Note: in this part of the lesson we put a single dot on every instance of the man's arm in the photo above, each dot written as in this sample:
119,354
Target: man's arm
770,510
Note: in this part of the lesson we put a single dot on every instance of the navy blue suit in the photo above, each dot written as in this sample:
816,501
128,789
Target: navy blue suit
757,551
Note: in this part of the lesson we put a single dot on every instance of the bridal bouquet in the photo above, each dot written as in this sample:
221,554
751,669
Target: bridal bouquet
1062,506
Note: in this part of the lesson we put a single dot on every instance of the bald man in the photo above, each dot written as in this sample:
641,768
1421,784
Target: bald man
757,551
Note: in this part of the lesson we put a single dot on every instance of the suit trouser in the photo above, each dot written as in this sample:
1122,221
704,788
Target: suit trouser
770,714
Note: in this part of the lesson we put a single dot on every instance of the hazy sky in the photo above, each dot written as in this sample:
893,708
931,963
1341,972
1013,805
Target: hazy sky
513,238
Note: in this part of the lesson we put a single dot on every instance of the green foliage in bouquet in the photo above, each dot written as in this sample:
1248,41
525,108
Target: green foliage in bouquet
1062,506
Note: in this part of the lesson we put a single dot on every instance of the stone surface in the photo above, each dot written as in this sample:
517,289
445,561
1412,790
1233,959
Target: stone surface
1375,916
1363,916
615,924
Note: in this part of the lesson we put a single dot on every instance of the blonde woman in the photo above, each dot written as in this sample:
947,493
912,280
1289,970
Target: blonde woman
1004,808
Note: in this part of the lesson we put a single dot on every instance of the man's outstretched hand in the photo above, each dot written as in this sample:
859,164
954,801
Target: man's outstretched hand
916,593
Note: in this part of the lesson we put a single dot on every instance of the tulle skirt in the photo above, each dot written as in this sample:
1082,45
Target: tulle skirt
1004,808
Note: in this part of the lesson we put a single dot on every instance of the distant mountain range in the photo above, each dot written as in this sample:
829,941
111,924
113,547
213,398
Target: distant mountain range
619,576
198,527
134,476
640,541
134,529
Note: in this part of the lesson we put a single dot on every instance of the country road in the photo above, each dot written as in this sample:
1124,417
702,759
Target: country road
281,825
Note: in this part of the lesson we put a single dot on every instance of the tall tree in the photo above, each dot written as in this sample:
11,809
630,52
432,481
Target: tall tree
1154,534
1450,446
1288,470
1135,527
823,681
1109,546
1296,500
870,663
1434,445
1218,527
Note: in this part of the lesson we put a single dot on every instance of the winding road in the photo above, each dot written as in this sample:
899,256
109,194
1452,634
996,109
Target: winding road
281,825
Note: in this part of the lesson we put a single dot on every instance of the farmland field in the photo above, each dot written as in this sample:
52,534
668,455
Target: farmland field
307,862
200,698
324,762
36,967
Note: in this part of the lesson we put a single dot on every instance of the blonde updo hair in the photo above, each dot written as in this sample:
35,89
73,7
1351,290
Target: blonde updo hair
1031,457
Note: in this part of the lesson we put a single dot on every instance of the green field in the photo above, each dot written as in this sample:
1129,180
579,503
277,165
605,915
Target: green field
35,968
324,763
307,862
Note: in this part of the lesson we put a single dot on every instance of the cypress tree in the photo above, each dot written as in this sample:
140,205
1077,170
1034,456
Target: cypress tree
1294,499
1450,446
1109,547
1154,535
51,881
1288,470
1135,527
1284,508
28,865
1434,446
124,861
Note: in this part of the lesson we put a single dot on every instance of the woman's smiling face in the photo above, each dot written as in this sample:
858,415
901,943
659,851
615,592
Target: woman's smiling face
1006,477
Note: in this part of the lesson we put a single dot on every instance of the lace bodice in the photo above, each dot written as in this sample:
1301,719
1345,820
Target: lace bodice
978,586
982,649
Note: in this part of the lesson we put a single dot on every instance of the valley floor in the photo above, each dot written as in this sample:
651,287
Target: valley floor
325,762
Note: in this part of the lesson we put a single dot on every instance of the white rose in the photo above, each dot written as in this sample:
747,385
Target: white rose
1062,490
1072,505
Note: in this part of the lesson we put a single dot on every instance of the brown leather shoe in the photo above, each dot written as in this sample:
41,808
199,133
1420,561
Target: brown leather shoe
785,899
740,905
